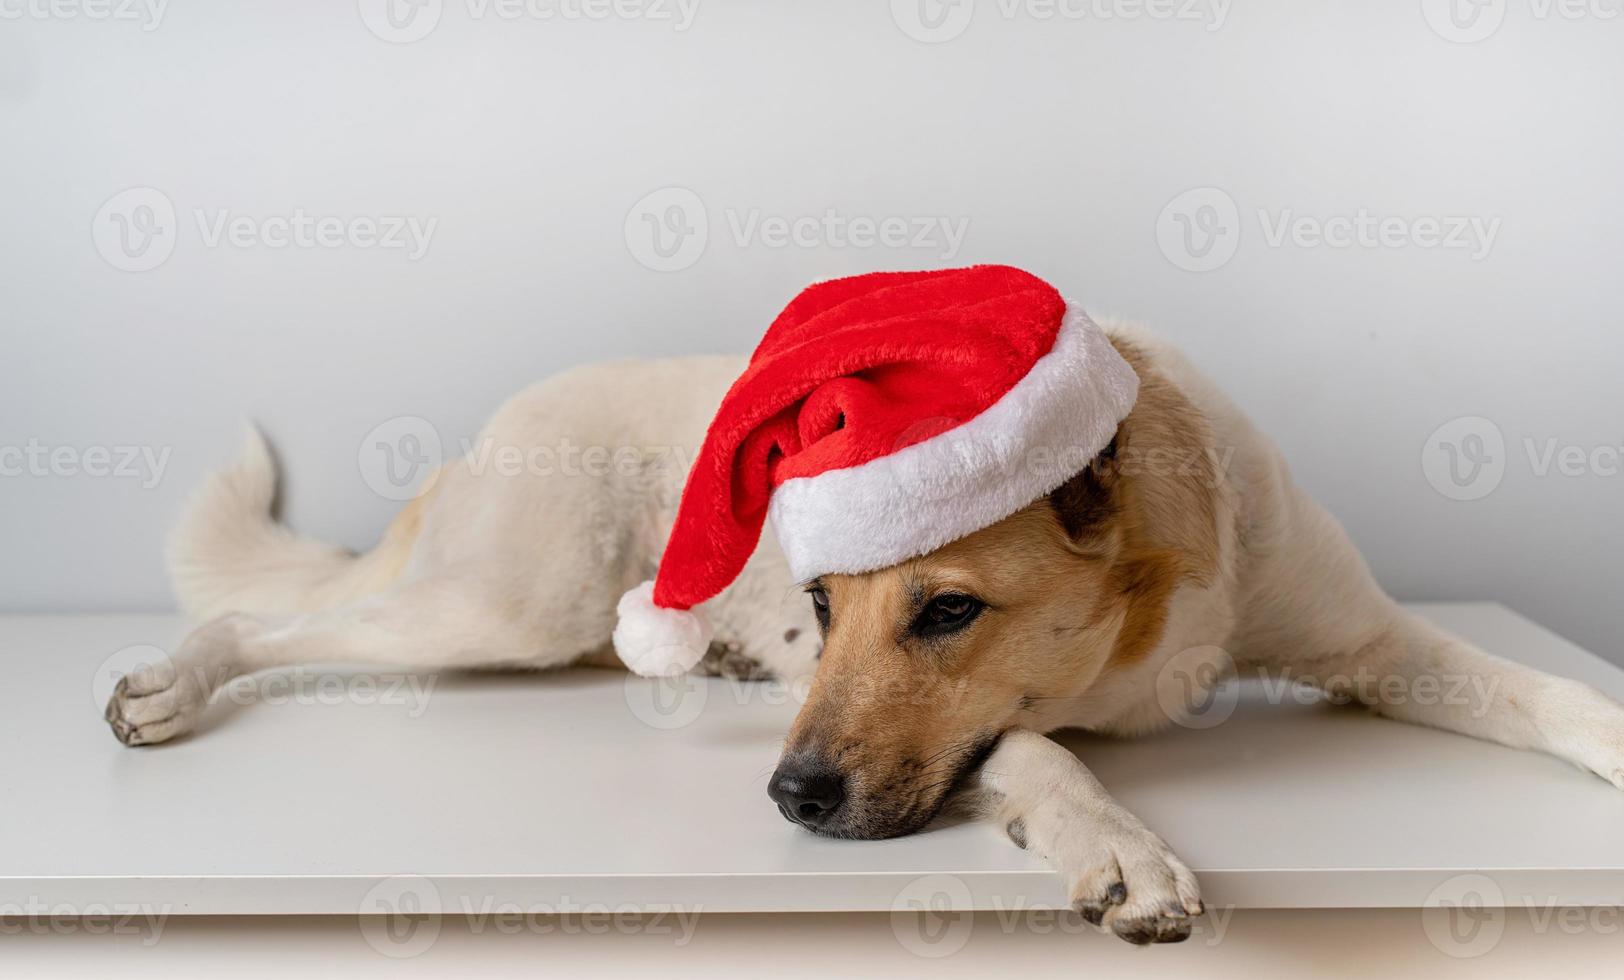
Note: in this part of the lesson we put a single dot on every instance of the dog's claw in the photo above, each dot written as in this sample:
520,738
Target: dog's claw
1167,927
1126,879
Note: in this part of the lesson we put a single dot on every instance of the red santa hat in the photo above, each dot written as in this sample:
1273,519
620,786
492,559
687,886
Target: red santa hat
881,417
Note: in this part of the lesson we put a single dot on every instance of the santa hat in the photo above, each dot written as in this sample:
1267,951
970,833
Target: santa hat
881,417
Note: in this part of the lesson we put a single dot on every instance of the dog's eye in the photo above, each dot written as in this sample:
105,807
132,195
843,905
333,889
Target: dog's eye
820,607
947,614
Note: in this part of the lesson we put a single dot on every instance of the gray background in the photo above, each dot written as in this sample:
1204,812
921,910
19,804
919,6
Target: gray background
1056,143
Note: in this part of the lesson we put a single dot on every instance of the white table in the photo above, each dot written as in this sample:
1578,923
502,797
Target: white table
553,792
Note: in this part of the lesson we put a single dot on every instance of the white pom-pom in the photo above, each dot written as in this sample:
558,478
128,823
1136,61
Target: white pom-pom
657,642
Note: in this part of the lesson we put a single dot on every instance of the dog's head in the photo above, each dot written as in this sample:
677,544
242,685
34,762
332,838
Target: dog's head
926,663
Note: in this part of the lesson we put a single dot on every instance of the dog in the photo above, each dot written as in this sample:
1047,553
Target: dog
1184,543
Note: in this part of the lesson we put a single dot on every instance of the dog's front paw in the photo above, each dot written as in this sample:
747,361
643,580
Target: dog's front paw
1129,880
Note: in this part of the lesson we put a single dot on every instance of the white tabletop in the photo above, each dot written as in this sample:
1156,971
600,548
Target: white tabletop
555,792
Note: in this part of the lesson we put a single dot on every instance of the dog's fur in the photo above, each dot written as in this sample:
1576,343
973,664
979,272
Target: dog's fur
1182,553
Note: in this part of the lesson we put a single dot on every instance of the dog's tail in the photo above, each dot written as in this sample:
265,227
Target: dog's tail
230,555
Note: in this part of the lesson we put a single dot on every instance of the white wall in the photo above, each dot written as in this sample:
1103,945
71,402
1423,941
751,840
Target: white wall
1053,143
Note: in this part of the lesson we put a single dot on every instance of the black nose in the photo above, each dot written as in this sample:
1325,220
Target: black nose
808,794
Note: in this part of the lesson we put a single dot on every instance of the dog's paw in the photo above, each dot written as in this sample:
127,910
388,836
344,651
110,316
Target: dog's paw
1584,726
730,661
1130,881
155,703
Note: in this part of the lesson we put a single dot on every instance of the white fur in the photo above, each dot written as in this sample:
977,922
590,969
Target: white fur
527,569
913,501
229,554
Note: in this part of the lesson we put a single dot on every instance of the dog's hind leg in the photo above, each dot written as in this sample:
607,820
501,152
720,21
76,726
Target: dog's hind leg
433,624
1417,672
1314,614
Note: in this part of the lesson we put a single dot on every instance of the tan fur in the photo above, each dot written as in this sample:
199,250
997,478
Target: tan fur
901,715
394,549
1169,517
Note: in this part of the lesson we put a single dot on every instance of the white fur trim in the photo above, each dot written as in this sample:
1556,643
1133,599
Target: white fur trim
654,641
911,502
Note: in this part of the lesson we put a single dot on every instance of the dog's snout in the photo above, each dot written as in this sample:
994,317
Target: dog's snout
807,793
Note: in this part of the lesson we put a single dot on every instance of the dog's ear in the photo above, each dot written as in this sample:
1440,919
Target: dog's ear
1088,504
